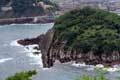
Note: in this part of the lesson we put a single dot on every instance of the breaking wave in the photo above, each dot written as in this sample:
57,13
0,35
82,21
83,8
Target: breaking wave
5,59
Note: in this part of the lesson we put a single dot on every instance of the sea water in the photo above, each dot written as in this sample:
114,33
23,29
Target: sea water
15,58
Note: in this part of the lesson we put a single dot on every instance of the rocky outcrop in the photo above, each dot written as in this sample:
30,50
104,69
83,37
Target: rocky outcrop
53,50
57,52
31,41
82,35
45,43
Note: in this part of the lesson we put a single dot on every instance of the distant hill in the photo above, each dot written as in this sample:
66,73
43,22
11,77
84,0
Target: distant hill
26,8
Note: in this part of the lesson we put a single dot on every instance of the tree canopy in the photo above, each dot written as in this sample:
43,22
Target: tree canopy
25,7
22,75
89,30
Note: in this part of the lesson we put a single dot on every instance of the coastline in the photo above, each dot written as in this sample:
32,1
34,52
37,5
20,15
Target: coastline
49,51
31,20
32,53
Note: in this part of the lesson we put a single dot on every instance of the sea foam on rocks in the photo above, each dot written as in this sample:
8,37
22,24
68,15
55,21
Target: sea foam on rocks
30,50
14,43
36,57
115,68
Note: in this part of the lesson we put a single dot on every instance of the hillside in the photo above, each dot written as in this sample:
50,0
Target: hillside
26,8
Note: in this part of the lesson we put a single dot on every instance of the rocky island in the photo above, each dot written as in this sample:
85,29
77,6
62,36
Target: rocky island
87,35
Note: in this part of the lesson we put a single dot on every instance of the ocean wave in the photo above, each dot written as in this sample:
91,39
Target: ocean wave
5,59
27,24
79,65
115,68
29,50
36,58
14,43
32,24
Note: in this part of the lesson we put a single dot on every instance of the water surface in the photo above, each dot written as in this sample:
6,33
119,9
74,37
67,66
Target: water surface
14,58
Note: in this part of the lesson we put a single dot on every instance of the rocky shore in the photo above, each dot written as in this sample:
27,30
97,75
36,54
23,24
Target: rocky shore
52,50
87,35
23,20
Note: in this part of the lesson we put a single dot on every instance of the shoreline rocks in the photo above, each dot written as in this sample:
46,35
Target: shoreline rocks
52,50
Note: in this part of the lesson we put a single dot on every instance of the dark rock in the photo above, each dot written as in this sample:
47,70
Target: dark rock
37,48
31,41
53,50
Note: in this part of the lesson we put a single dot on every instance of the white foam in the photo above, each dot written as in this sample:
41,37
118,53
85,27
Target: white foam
5,59
100,65
28,24
37,58
15,43
12,24
92,67
29,49
79,65
45,68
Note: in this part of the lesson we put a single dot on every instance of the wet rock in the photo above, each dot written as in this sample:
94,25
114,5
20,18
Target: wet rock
52,50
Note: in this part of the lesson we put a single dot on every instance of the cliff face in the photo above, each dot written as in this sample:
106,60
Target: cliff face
45,43
53,50
57,52
85,36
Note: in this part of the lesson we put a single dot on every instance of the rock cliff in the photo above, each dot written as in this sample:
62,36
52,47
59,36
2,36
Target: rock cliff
53,50
84,35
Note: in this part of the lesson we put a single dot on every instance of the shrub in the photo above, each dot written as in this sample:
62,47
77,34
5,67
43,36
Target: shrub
23,75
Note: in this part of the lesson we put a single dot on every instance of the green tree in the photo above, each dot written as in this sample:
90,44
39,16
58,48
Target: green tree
20,6
23,75
89,30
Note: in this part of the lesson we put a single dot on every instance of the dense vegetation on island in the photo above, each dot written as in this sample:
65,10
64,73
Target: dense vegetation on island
18,8
89,30
23,75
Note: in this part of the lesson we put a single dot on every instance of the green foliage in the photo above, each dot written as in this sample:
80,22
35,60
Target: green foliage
20,6
89,77
89,30
23,75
